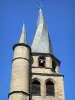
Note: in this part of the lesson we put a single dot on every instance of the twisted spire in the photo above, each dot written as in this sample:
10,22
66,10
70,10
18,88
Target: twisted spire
41,42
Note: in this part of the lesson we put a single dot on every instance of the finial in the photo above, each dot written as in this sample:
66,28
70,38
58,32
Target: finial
41,4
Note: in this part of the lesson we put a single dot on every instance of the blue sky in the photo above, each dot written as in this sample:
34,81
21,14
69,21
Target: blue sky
60,20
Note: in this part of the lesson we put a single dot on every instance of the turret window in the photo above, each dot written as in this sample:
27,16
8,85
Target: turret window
49,88
41,61
36,88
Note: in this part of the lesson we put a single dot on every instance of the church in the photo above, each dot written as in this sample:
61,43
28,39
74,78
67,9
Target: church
35,70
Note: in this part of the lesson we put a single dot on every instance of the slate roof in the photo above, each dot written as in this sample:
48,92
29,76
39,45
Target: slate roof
41,42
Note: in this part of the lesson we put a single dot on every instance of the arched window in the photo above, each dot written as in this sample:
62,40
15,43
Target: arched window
41,61
35,87
49,88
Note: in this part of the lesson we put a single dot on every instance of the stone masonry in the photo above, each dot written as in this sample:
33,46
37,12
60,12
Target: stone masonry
35,70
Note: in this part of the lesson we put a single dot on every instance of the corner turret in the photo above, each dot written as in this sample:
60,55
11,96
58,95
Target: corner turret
19,88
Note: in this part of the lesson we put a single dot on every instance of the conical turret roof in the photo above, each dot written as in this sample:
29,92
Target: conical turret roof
23,35
41,42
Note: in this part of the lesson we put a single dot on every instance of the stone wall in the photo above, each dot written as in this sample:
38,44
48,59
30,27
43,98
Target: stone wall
58,86
45,73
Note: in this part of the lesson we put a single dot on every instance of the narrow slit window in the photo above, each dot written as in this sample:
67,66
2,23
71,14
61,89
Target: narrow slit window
53,66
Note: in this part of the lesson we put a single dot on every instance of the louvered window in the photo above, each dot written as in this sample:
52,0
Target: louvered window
49,88
35,88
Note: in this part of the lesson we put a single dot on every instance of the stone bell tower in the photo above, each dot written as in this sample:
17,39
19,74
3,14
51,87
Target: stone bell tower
35,70
47,82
